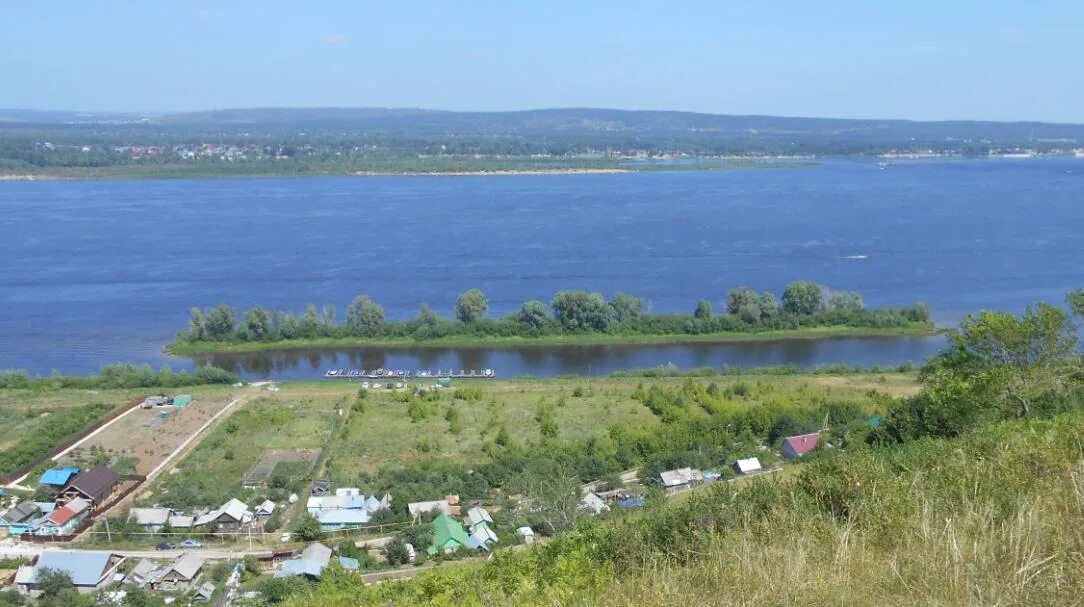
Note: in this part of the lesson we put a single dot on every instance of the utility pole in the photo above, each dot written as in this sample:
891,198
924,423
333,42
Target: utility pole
108,536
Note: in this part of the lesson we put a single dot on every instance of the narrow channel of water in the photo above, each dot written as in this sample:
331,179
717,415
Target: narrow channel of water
594,360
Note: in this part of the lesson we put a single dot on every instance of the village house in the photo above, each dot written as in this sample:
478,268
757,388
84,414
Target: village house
64,520
19,516
141,573
331,520
265,510
88,570
448,506
95,485
182,573
314,558
231,516
681,479
150,519
747,466
526,533
448,535
797,446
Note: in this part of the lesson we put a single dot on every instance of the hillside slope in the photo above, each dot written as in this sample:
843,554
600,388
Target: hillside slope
992,517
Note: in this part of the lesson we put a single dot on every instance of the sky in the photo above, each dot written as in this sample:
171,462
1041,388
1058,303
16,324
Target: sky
916,59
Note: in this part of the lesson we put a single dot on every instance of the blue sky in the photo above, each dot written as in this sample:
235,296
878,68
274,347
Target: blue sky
914,59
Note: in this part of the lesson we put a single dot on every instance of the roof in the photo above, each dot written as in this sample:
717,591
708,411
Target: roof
524,531
484,534
181,522
372,504
181,400
187,565
349,564
591,501
317,552
235,509
341,491
267,507
681,476
96,483
416,508
58,476
477,515
300,567
447,529
205,591
750,464
61,516
802,443
86,568
342,517
149,516
23,511
142,569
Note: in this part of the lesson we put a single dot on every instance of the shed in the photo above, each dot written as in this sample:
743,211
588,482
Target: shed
181,400
747,465
526,533
205,592
58,477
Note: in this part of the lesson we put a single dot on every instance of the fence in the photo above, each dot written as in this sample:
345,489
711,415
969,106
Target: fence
69,442
134,481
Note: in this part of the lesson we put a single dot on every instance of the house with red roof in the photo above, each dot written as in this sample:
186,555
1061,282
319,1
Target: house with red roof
797,446
64,520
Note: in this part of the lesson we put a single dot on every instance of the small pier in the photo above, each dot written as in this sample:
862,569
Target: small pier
394,374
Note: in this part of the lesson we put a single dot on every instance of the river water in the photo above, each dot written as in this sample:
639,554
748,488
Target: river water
95,272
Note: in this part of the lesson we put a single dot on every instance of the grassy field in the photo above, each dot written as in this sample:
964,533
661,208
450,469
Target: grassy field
184,348
384,433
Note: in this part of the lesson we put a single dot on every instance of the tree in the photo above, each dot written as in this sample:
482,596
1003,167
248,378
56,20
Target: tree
471,306
1076,302
849,301
803,298
196,328
626,307
742,296
220,322
307,527
365,317
534,314
551,491
703,310
310,322
277,589
395,552
328,316
579,311
257,323
749,313
1005,359
138,597
769,307
426,316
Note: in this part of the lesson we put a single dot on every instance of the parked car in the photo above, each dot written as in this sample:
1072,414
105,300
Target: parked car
191,544
165,546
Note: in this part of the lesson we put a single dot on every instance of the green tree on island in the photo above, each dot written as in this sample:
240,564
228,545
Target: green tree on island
471,306
738,298
703,310
626,307
365,317
580,311
803,298
534,314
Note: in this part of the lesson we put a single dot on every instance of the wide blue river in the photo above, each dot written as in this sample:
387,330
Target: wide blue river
94,272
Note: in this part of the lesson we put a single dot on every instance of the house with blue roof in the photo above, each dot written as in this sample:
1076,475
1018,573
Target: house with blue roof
331,520
58,477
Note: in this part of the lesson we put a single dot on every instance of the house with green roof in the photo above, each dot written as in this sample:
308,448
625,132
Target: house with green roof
448,535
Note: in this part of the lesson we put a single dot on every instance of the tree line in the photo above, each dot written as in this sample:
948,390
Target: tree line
570,312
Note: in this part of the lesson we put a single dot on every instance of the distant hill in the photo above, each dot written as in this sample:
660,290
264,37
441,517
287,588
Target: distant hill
588,122
660,127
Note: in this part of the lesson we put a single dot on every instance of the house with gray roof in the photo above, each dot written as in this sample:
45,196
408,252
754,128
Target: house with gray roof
181,573
95,485
89,570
